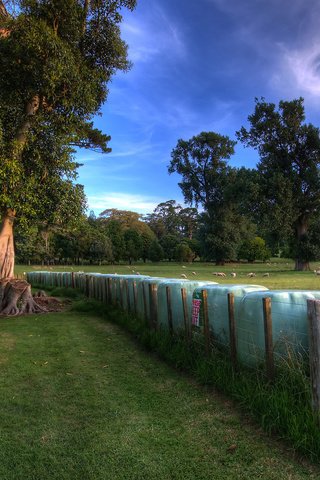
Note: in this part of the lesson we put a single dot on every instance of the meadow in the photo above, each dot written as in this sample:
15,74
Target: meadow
281,272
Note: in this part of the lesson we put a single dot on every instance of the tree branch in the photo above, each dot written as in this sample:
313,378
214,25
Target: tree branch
3,11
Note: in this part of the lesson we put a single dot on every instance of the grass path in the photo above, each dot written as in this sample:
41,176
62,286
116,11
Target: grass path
79,400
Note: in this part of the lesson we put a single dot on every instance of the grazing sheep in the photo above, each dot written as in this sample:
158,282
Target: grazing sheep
317,272
251,274
219,274
233,274
193,273
266,274
183,275
137,273
183,266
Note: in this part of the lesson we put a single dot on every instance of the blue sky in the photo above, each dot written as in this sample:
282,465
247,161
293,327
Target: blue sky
197,66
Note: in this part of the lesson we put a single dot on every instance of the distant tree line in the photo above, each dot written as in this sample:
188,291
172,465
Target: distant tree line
170,233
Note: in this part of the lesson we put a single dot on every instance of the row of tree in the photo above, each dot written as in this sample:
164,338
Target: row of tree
169,233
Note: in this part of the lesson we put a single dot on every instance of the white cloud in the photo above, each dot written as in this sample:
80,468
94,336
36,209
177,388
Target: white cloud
123,201
151,35
304,66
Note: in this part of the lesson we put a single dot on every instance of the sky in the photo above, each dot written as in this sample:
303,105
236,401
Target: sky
197,66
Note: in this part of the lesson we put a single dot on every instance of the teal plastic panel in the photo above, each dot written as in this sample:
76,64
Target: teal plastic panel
143,293
175,286
289,324
218,306
124,288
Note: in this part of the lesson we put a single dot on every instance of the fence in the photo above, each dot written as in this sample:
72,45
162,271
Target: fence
256,326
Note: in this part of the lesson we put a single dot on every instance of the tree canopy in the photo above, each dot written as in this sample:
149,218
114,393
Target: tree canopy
288,170
57,58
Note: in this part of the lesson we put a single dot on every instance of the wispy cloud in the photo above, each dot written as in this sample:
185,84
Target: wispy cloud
124,201
304,67
152,33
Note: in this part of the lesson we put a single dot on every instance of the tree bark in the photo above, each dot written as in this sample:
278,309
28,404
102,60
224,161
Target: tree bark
301,264
15,295
6,245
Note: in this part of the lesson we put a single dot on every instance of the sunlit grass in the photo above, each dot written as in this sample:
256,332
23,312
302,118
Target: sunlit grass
79,400
281,273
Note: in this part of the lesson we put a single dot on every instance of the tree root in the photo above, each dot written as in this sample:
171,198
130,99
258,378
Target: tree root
16,298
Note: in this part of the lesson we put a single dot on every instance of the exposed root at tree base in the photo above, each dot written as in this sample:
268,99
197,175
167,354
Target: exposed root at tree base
16,298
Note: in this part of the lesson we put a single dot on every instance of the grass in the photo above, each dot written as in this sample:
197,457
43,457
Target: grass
282,275
283,408
80,400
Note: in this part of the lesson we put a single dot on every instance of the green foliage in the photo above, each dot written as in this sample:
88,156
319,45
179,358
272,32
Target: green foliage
155,253
201,161
289,164
56,61
169,243
183,253
254,249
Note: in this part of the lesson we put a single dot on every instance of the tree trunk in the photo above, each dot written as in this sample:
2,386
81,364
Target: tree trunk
301,264
6,245
15,295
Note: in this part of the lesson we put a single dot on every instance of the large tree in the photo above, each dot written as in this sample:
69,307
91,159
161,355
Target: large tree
288,169
56,60
209,181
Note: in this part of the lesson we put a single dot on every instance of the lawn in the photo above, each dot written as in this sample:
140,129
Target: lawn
281,273
80,400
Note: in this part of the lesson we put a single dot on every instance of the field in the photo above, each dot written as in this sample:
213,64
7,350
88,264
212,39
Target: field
80,400
281,273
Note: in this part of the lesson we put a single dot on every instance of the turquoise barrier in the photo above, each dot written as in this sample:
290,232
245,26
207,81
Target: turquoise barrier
218,314
132,293
175,287
289,324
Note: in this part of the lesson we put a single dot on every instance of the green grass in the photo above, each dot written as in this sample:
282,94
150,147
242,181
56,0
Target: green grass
282,275
80,400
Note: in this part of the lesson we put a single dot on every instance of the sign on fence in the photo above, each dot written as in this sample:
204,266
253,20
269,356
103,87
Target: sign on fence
196,310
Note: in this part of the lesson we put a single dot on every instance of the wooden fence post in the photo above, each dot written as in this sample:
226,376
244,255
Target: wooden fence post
127,295
206,330
187,328
313,307
146,316
153,305
109,291
232,331
121,293
135,296
72,280
267,317
169,310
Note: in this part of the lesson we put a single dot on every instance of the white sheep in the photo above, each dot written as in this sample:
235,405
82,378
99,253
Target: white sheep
266,274
183,275
193,273
233,274
317,272
251,274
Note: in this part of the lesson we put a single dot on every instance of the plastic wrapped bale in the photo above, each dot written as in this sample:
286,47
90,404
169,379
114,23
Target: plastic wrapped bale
125,287
175,286
218,313
107,287
121,283
98,285
143,297
66,279
289,324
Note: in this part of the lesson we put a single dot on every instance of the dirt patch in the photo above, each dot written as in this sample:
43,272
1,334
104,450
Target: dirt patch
52,304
